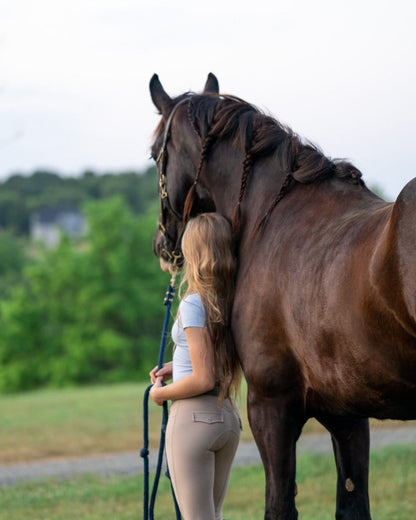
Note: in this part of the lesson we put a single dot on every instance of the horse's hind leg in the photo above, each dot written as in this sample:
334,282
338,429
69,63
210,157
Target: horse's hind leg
276,429
350,439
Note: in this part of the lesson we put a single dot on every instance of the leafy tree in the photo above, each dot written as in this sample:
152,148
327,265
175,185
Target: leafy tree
12,260
86,312
13,212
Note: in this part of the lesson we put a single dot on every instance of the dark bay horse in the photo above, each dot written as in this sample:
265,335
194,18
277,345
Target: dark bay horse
324,317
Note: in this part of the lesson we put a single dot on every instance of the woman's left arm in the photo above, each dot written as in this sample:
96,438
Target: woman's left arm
203,377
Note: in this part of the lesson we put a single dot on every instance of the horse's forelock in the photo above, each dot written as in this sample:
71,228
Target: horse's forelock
201,113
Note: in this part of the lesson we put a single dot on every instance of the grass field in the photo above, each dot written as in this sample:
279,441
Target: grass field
392,487
107,419
85,421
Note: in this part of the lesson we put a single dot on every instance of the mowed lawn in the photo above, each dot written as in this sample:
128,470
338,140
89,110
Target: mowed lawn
83,421
107,419
74,422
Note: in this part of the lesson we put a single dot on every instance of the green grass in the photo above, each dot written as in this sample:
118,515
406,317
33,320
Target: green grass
392,485
88,420
77,421
69,422
107,419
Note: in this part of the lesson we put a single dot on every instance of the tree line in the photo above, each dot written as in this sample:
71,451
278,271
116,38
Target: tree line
89,310
21,195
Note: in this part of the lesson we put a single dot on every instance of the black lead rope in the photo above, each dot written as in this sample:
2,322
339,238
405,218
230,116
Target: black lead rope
148,507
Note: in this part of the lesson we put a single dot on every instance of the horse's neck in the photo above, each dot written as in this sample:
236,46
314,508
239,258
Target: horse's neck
264,181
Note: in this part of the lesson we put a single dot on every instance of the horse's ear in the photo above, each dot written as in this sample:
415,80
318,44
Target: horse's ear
159,97
212,85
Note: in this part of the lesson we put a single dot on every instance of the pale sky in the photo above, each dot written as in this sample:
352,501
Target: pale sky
74,77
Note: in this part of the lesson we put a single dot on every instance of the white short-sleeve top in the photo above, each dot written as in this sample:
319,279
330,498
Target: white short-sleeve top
191,314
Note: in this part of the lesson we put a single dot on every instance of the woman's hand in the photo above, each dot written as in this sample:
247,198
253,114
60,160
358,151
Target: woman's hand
156,392
165,373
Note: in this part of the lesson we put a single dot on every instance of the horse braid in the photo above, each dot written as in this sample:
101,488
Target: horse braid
190,198
236,220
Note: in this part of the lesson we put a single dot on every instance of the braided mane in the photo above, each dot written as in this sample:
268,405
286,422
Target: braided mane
215,118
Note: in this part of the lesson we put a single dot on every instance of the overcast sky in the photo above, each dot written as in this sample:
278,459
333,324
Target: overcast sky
74,77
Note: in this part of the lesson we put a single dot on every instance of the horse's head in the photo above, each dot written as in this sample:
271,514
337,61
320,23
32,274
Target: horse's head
220,153
178,153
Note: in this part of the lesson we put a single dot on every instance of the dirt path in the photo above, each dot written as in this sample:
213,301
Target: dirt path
131,463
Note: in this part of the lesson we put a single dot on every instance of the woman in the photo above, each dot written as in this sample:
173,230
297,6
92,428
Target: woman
204,424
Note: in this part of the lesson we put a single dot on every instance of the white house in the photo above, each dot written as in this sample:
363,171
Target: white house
48,224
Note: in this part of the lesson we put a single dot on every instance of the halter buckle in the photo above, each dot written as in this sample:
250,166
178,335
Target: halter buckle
162,186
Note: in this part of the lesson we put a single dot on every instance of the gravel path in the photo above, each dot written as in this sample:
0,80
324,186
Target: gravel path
131,463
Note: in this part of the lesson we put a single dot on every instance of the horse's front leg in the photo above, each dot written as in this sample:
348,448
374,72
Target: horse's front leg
350,439
276,423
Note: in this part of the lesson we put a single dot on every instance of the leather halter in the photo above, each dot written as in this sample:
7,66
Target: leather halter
176,255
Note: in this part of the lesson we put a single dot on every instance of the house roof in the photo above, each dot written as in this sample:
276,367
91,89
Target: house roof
49,215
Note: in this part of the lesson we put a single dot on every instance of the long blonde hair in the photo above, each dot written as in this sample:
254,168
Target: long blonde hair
210,269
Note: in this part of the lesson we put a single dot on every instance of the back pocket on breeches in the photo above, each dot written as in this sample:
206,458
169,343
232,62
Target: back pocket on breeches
207,417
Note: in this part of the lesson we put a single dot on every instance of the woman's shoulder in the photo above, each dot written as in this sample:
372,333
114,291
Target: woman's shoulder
191,303
191,310
192,299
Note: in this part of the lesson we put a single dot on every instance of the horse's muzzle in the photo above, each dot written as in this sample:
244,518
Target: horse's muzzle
159,243
164,250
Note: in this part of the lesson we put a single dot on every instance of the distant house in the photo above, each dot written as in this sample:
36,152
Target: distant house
48,224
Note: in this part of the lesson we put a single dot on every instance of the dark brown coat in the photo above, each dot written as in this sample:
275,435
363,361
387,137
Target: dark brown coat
324,316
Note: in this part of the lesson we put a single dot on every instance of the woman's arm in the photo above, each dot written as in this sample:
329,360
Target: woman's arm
203,377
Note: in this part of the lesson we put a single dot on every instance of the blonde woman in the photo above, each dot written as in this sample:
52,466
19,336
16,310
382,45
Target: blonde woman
204,424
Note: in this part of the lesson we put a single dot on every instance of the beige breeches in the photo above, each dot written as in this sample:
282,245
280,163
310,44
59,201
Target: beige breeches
201,440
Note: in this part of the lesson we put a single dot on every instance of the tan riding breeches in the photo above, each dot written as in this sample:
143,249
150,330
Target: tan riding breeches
201,440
